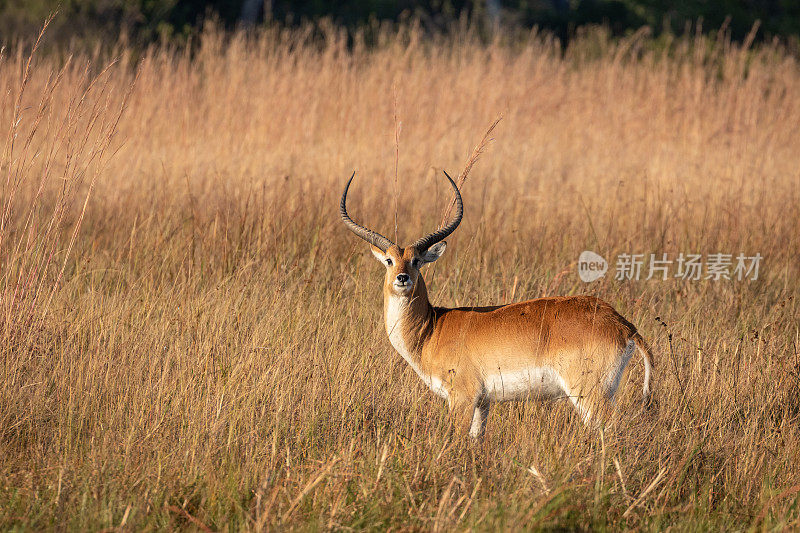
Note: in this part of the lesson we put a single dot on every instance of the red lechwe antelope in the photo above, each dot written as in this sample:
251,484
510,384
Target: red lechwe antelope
572,346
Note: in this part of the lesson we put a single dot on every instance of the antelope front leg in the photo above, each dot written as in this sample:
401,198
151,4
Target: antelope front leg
480,411
460,412
468,415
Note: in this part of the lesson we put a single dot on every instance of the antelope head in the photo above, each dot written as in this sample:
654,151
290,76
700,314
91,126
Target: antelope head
403,264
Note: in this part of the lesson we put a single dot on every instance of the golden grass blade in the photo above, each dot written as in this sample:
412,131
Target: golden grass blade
473,158
653,484
316,480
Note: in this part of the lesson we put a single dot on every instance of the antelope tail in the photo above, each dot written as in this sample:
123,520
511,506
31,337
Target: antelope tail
647,357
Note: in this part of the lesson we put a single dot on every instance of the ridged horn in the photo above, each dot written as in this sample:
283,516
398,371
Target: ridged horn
429,240
368,235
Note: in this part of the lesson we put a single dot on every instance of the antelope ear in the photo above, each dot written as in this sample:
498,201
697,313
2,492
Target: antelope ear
379,255
434,252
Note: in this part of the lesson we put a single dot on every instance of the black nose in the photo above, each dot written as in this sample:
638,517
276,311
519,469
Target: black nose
402,278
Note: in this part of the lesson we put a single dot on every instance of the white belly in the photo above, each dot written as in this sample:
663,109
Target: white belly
534,382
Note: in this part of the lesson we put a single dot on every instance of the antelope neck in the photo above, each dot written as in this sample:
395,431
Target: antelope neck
409,320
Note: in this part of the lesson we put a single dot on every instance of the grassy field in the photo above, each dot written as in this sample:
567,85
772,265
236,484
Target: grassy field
201,346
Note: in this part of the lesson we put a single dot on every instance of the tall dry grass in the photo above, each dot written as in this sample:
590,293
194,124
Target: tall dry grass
208,352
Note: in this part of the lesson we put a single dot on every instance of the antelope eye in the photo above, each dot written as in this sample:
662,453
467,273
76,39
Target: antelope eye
414,262
388,262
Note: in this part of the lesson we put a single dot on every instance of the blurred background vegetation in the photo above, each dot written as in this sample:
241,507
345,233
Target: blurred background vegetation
139,22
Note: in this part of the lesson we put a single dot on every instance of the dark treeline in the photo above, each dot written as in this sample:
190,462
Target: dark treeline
89,22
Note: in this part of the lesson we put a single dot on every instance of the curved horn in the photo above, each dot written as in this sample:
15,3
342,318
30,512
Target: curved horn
429,240
368,235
